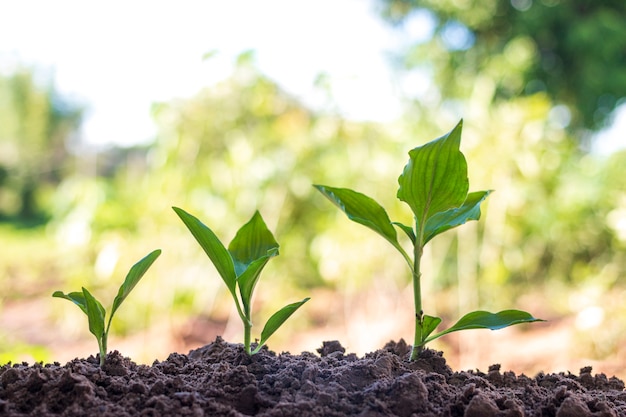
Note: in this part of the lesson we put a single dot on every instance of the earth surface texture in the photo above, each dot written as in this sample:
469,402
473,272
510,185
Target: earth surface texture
219,379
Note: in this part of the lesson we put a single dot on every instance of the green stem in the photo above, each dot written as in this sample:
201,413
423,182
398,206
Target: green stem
102,344
418,342
244,315
246,337
104,341
247,328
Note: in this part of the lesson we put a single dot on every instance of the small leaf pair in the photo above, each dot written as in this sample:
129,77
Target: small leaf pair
96,314
435,186
240,267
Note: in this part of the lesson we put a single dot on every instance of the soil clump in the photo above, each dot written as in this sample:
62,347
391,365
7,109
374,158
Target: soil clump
219,379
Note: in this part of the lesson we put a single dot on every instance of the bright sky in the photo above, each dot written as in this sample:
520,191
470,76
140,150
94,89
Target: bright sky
120,56
613,138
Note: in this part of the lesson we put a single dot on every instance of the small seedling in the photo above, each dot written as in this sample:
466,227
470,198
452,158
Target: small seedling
434,184
96,314
240,267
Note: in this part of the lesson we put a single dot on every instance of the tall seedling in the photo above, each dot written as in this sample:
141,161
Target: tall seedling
435,186
96,314
240,267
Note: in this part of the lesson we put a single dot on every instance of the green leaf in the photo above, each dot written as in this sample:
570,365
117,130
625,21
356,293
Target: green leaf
363,210
408,230
487,320
435,178
213,247
76,297
277,320
429,324
95,315
248,279
136,272
470,210
253,241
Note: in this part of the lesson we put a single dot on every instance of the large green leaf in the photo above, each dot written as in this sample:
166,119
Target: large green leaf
277,320
95,315
248,279
252,242
435,178
213,247
75,297
136,272
363,210
487,320
470,210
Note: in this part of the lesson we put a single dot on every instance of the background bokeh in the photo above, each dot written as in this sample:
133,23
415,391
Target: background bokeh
534,82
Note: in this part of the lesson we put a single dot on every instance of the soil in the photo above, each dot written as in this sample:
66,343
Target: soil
219,379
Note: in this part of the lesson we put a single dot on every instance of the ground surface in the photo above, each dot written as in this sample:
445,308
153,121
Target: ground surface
221,380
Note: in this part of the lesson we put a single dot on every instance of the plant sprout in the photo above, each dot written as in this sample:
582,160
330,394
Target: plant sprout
435,186
96,314
240,267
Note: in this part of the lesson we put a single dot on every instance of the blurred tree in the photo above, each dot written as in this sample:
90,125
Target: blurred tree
574,51
35,125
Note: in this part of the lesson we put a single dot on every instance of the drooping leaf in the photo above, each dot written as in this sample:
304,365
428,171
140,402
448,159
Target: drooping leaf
248,279
363,210
75,297
487,320
435,178
136,272
470,210
252,242
277,320
95,315
213,247
429,324
407,230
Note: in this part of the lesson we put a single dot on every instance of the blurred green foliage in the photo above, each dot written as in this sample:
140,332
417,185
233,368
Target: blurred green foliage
36,125
573,51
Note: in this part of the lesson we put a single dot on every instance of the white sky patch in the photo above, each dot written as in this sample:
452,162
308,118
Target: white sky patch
612,138
119,57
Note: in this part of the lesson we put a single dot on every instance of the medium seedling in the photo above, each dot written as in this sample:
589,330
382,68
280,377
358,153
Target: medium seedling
240,267
96,314
435,186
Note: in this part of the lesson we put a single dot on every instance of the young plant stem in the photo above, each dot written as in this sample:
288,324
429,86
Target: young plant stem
245,316
246,338
419,313
102,344
418,250
247,328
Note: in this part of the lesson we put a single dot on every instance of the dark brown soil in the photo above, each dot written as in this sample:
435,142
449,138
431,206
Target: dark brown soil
221,380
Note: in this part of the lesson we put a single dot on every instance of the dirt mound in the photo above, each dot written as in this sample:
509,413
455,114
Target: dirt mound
221,380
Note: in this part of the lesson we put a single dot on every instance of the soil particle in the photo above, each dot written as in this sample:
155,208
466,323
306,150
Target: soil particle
220,379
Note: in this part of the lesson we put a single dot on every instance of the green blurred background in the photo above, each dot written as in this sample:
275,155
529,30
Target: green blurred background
533,80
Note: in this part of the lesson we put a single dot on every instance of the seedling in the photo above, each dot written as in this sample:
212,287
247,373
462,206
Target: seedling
96,314
434,184
240,267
